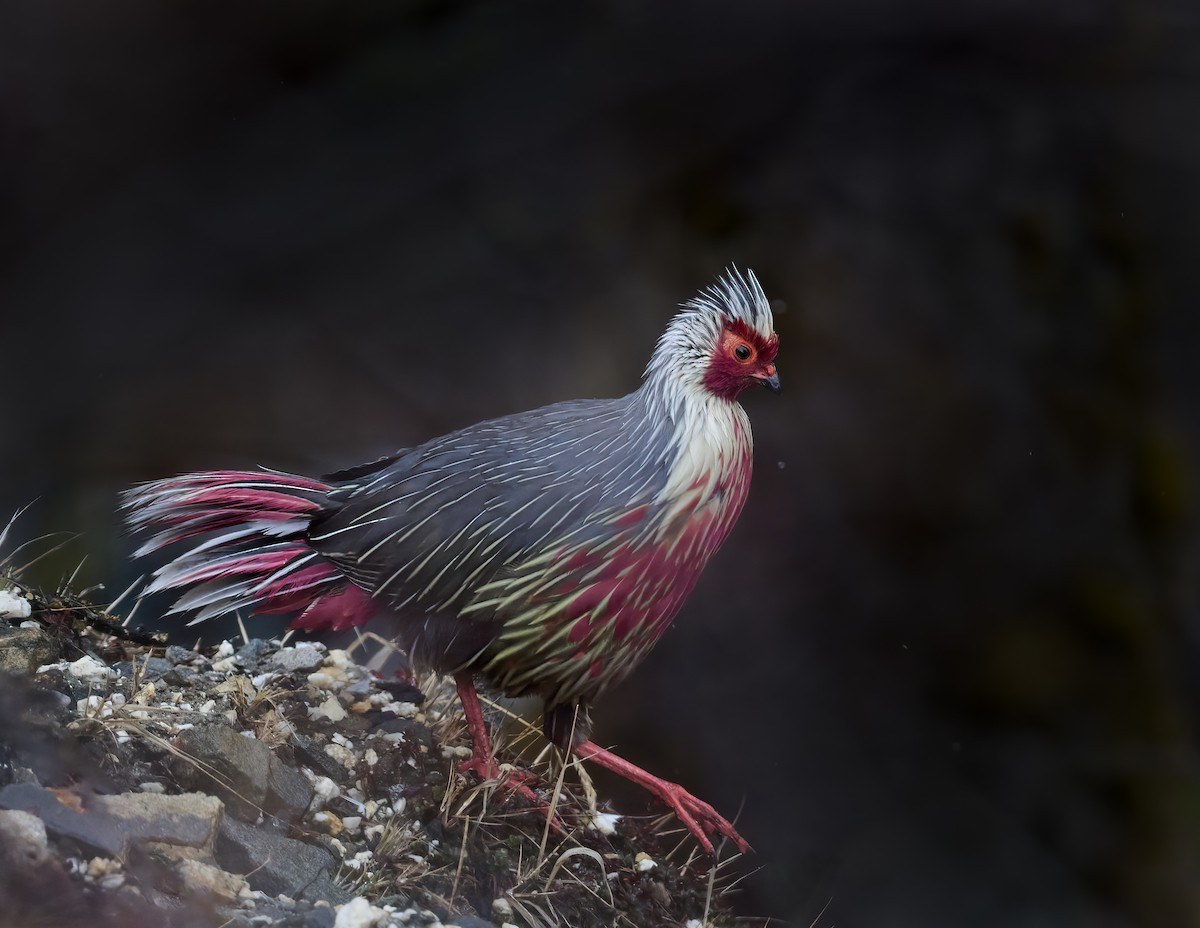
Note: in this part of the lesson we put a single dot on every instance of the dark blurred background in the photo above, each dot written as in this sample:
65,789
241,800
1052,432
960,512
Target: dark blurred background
947,659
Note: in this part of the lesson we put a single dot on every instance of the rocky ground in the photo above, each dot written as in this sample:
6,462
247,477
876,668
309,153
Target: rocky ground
264,783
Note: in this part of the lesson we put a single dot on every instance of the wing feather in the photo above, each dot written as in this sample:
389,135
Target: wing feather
431,526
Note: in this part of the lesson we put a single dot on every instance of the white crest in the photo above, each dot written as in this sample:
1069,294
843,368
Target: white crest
686,347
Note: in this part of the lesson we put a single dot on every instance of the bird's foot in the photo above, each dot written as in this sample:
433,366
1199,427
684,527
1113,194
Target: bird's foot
506,777
514,782
483,763
698,816
701,819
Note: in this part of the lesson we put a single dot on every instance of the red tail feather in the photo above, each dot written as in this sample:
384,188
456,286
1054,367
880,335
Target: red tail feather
257,558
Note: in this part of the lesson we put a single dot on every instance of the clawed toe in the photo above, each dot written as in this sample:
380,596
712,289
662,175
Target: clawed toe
697,816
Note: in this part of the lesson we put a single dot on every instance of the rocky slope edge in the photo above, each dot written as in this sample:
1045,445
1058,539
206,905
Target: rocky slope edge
260,783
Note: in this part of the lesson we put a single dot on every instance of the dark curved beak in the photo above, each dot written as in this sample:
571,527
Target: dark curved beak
771,381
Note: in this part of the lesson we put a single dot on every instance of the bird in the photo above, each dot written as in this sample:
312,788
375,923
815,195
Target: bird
542,553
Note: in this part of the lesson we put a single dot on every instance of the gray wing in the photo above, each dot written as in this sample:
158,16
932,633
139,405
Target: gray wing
435,523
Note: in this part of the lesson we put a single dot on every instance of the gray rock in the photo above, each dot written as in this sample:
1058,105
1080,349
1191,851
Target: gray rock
95,834
177,655
201,880
320,918
24,650
359,689
147,668
219,760
296,659
288,791
109,824
188,819
277,864
181,677
312,754
252,651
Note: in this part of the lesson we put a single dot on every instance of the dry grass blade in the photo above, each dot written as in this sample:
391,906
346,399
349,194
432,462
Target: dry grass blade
577,852
462,855
71,536
538,917
4,534
70,584
129,618
129,589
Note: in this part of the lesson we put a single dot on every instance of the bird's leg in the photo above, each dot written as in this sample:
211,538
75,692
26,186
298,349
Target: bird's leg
698,816
483,762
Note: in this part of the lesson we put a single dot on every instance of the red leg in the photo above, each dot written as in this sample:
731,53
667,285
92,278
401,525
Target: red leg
483,762
699,817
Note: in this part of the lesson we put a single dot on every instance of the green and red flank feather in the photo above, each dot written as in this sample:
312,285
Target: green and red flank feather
545,552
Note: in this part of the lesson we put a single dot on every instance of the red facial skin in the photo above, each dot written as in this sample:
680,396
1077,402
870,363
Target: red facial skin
727,374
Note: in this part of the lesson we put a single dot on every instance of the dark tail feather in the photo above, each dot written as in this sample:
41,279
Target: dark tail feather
257,558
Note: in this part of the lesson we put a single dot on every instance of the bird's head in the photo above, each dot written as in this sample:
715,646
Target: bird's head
722,341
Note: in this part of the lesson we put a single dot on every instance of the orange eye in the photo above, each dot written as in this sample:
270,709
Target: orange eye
743,352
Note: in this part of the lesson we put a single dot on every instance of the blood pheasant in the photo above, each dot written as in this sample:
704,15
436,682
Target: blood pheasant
544,553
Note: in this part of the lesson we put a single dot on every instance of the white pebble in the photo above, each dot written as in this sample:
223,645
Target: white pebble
605,822
341,755
13,606
645,862
324,789
88,668
103,866
406,710
225,649
359,914
501,907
